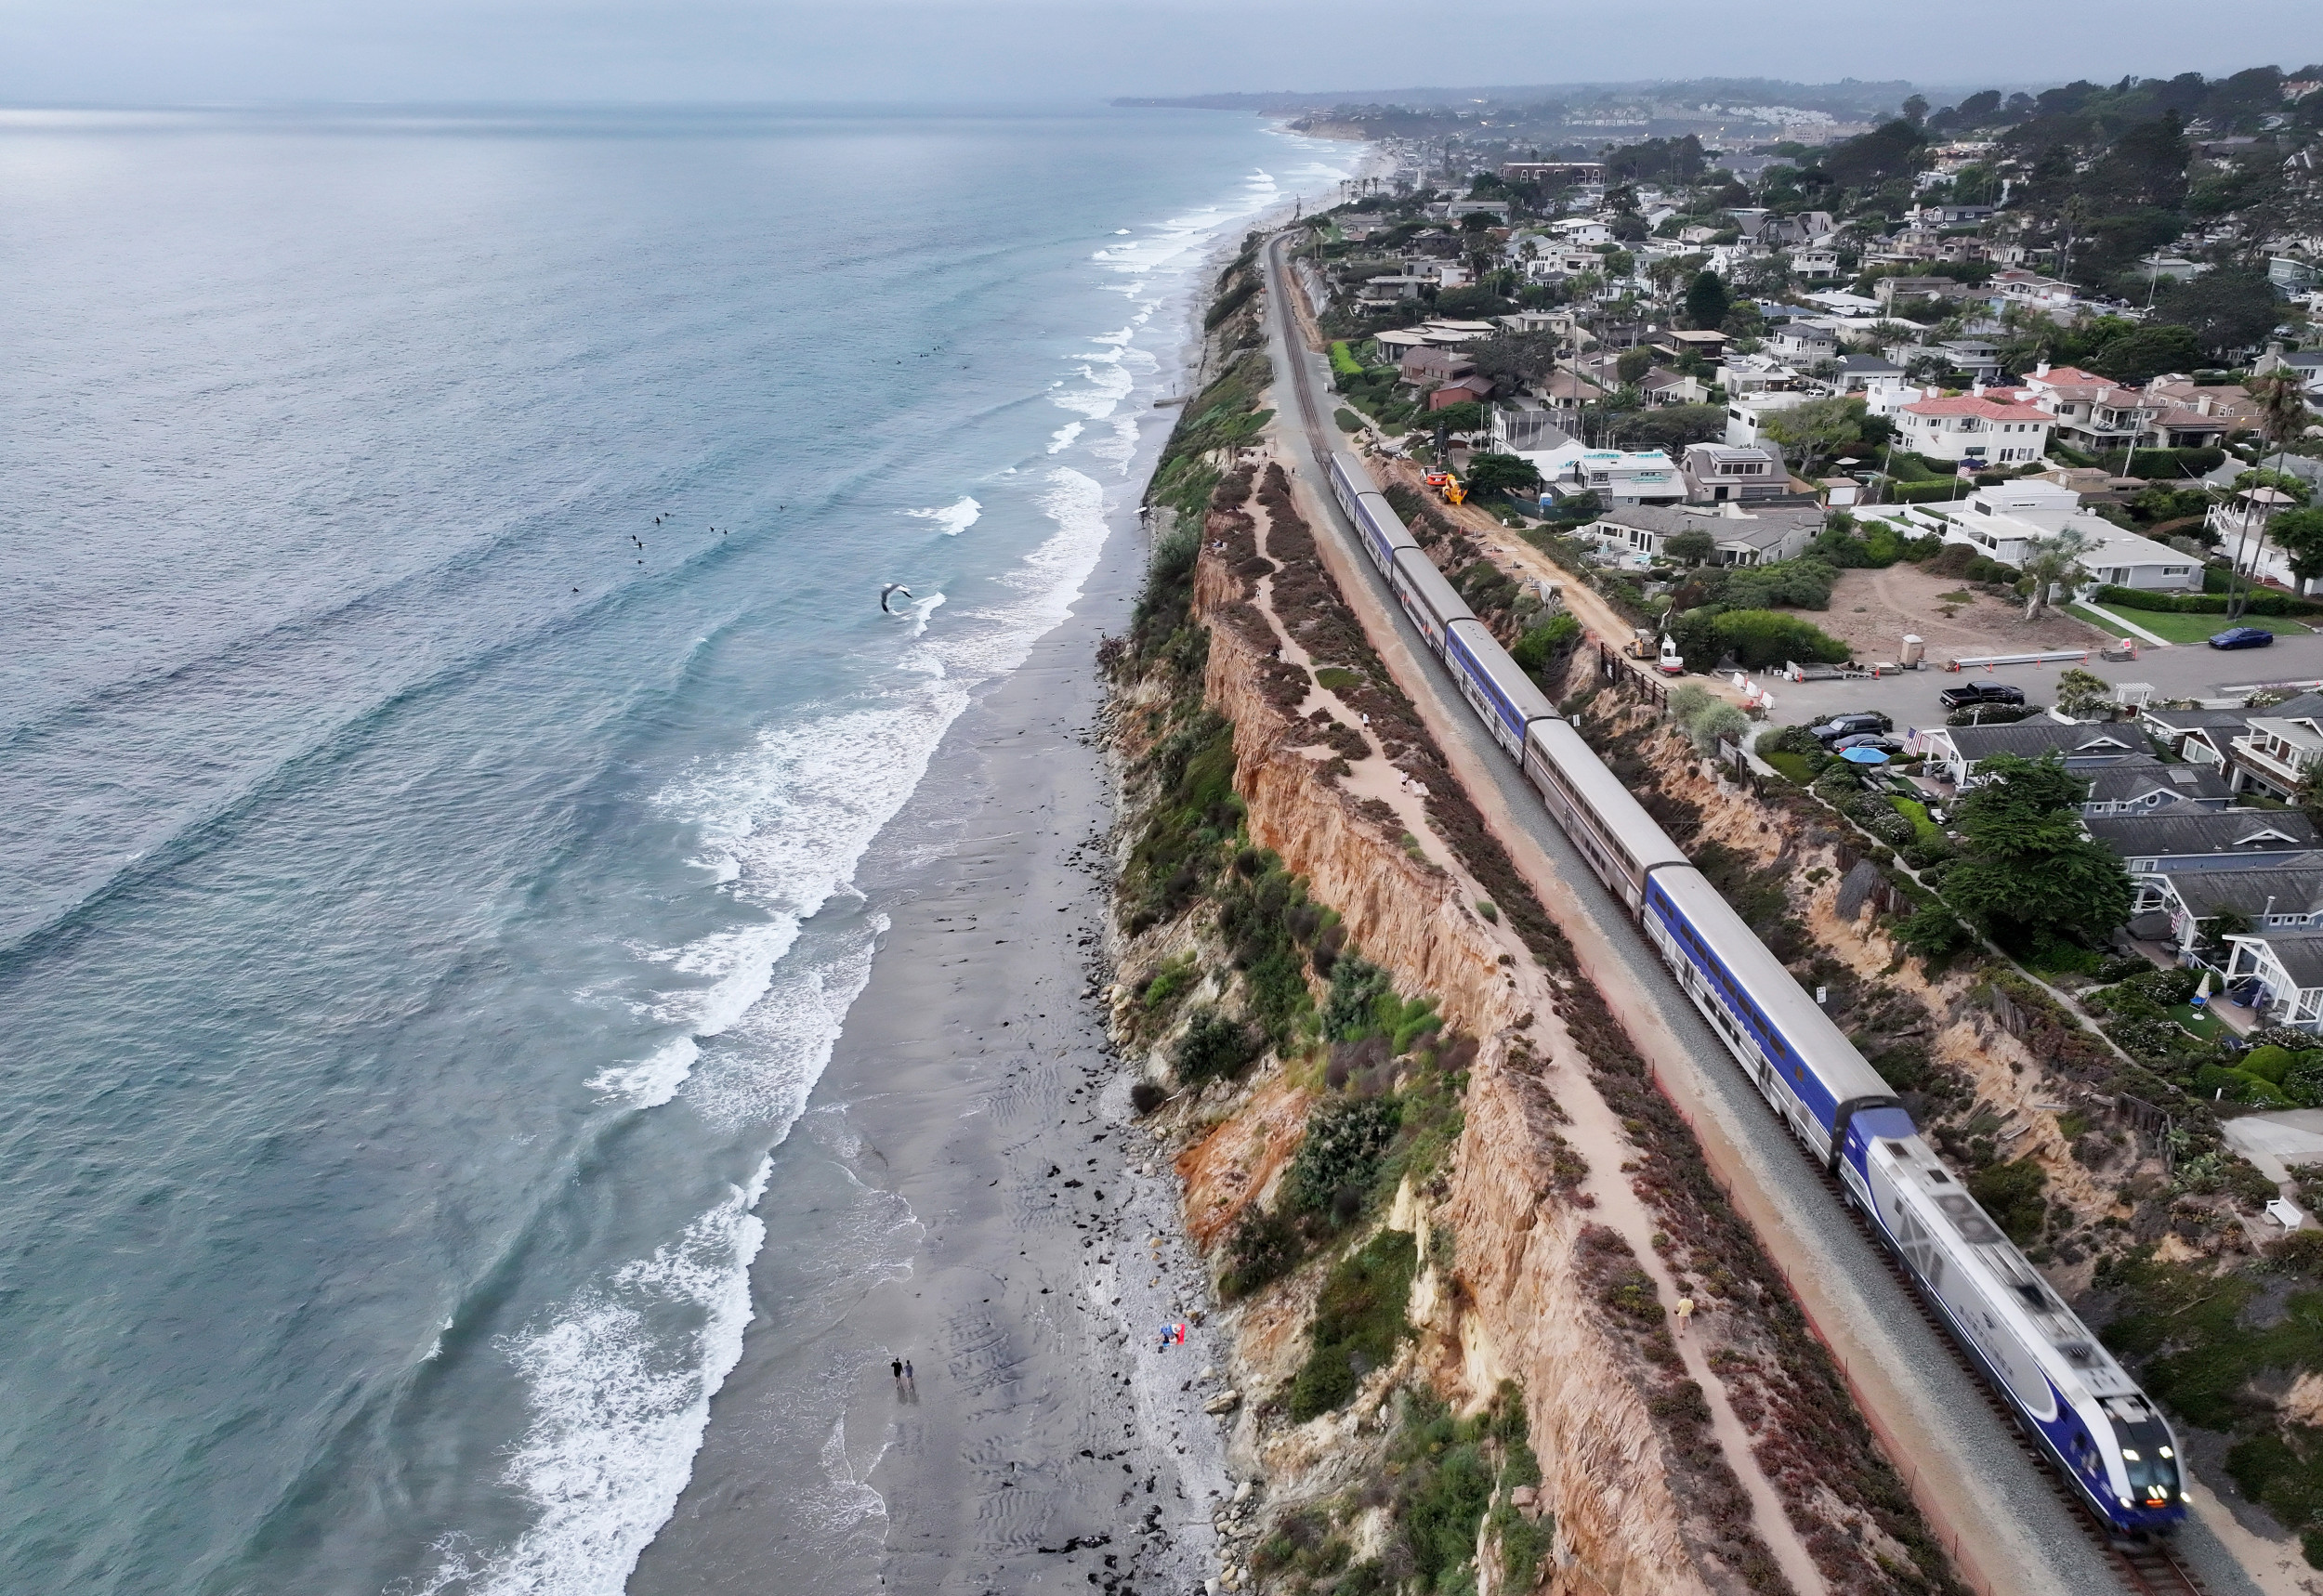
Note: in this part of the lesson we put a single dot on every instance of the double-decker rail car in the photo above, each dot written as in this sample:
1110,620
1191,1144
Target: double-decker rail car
1433,603
1611,829
1801,1063
1377,527
2079,1405
1494,684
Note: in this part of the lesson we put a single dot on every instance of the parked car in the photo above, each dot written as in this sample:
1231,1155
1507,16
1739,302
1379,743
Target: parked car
2243,637
1878,739
1849,725
1969,693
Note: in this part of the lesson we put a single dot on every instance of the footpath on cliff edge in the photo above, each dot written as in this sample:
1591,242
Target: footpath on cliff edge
2008,1529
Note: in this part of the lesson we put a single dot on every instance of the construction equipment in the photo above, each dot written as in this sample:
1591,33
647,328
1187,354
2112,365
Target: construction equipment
1447,484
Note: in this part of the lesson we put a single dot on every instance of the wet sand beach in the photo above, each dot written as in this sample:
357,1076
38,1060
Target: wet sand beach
969,1162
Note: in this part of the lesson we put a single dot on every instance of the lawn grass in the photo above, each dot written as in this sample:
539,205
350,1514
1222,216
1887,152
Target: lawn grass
2190,629
2201,1022
1793,765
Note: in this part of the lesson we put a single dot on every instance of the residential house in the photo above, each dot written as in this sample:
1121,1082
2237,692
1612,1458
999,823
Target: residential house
1975,430
1959,750
1747,413
1717,473
1675,343
2143,787
1741,539
1814,263
1888,290
1583,230
1566,391
2197,737
1858,372
1431,364
1976,359
2240,524
1461,390
1619,478
2305,365
2276,754
1804,344
1555,174
2018,286
1756,375
2186,909
2175,840
1661,387
2230,403
2279,975
2092,413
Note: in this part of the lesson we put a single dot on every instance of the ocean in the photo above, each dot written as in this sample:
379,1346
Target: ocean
448,707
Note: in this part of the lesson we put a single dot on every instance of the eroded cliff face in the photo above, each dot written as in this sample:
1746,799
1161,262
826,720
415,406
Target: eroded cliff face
1562,1221
1520,1306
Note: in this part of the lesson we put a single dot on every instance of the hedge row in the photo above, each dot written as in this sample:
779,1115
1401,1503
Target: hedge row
2260,601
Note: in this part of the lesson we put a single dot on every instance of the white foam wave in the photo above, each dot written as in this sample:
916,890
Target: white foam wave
785,1041
620,1397
953,518
921,609
1062,438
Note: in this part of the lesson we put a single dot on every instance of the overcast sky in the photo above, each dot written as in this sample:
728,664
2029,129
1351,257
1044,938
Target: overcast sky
175,51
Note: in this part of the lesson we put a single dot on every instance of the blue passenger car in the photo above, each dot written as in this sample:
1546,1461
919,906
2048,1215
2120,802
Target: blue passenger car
1494,684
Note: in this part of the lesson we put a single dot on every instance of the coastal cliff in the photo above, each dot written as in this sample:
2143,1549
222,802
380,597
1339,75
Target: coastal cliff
1446,1212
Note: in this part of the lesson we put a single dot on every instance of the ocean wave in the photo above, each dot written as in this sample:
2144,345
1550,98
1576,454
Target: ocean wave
619,1405
953,518
1062,438
783,1044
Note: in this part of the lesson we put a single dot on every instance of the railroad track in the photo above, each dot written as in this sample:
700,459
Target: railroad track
2149,1570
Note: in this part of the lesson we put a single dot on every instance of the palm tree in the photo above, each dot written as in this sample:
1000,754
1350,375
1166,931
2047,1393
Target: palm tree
2049,561
2282,411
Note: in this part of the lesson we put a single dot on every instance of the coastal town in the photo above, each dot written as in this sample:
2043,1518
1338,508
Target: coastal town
1922,516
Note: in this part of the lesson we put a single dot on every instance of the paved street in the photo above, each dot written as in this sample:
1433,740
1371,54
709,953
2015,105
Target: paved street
2174,672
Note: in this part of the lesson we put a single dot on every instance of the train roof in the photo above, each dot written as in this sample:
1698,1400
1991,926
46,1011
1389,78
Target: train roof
1618,812
1376,507
1438,595
1821,1045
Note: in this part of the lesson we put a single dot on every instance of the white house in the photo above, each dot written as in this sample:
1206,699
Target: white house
1738,539
1747,413
1585,229
2281,974
1616,477
1975,430
1803,343
2018,286
1814,263
2004,521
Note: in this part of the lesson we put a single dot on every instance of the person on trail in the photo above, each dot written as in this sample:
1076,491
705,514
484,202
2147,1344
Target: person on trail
1686,1312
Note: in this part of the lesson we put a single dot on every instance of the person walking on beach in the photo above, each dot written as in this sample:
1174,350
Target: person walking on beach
908,1378
895,1366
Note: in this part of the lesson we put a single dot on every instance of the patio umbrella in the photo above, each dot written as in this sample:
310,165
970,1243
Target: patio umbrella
2202,993
1864,756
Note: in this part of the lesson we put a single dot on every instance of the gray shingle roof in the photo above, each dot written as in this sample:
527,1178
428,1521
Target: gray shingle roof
2031,738
2251,893
2203,832
2130,780
2301,953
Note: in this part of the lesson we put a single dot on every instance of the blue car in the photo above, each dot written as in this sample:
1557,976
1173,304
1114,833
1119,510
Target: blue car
2243,637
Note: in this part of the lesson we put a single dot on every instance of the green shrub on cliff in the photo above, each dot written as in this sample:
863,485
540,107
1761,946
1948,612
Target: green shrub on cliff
1214,1044
1359,1321
1340,1157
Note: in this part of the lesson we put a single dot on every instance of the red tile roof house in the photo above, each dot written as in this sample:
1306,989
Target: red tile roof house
1975,429
1434,365
2094,413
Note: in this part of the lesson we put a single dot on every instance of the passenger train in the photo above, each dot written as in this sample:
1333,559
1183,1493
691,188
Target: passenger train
2071,1398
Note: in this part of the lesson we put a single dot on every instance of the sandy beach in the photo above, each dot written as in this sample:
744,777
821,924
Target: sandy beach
974,1129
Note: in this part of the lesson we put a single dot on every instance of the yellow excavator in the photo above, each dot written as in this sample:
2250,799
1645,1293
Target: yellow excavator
1449,485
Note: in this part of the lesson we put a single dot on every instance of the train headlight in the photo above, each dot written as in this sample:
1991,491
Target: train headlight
2167,1453
2127,1503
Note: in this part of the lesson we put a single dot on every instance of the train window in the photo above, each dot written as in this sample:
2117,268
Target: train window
1896,1150
2034,1296
2080,1355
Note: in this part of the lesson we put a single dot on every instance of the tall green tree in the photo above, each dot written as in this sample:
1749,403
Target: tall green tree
2049,561
1706,301
1818,432
2232,307
2029,872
